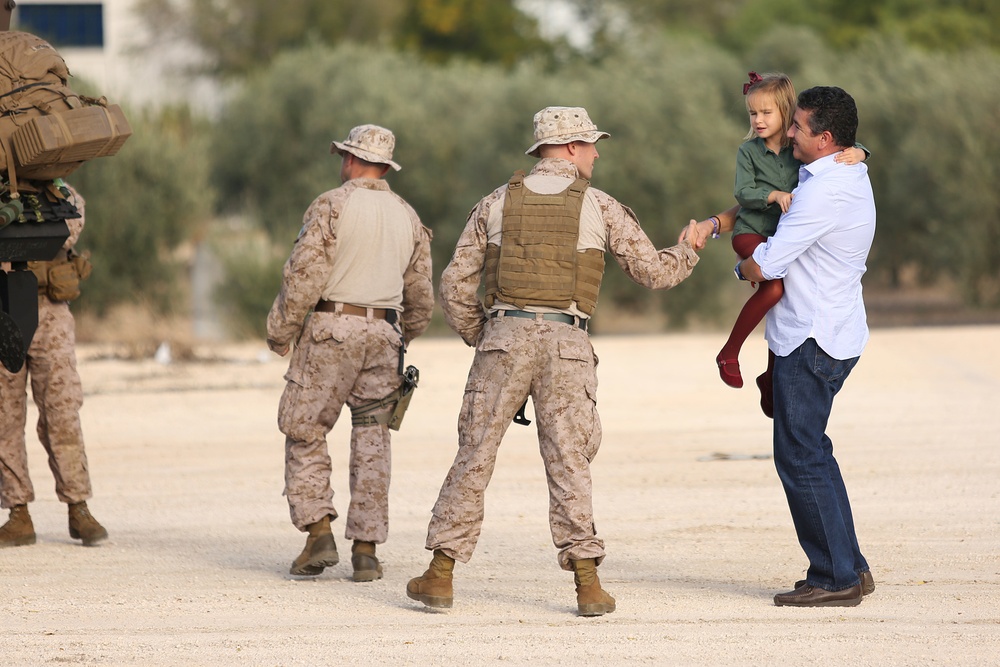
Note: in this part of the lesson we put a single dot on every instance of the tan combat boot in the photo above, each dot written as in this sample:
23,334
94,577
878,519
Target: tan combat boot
591,599
433,587
83,525
320,550
18,531
366,565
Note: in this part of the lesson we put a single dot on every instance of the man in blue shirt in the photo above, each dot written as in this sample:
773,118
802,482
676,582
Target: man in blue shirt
817,333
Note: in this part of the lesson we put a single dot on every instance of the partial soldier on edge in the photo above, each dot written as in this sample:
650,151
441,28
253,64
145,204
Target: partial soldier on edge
58,394
539,241
362,265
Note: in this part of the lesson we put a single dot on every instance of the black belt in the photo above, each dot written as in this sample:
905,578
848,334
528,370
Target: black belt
552,317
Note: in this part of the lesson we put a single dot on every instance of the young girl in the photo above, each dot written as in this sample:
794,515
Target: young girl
766,174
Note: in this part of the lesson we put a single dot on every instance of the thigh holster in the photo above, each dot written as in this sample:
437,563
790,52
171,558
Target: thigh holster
388,411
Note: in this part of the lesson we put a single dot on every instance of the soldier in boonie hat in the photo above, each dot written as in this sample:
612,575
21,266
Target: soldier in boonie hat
361,266
370,143
563,125
537,245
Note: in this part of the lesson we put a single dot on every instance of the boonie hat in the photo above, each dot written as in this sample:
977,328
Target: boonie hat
563,125
368,142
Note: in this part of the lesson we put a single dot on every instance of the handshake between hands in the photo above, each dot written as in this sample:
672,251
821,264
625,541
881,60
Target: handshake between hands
696,233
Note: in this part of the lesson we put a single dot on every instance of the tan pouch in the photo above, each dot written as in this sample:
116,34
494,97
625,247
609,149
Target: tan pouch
41,271
81,263
64,282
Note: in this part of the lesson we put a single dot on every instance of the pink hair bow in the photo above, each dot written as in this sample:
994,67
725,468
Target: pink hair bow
754,78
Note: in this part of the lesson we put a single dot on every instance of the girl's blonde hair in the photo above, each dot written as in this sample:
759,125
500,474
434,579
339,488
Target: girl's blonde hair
780,88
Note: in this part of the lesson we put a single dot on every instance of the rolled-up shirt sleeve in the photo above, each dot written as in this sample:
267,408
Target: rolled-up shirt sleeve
636,254
463,311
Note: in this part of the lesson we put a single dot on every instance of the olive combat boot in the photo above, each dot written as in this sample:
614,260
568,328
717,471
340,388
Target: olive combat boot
18,531
433,587
591,599
364,561
83,525
320,551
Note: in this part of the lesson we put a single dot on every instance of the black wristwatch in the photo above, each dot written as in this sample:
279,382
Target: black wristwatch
736,270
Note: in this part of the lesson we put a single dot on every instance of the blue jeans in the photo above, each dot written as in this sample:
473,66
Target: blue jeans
805,383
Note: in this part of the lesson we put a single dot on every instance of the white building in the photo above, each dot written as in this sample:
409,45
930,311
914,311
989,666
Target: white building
105,43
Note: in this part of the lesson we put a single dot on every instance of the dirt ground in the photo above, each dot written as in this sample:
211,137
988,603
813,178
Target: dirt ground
187,462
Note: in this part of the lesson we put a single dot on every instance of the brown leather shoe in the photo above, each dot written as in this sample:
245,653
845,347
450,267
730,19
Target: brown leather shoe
811,596
867,583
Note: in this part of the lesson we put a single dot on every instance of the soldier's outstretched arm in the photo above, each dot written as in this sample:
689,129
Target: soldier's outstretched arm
636,254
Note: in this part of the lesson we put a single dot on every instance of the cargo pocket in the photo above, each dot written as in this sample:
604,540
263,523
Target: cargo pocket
496,337
492,357
593,442
577,350
318,334
471,402
582,368
327,328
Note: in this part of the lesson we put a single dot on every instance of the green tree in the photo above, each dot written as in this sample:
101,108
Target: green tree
936,148
939,25
237,37
251,266
485,30
142,204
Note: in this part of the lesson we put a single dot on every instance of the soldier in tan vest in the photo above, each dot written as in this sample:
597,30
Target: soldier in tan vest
540,240
355,290
58,394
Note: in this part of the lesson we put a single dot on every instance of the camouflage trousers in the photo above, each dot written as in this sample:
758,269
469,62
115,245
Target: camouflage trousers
339,359
58,394
555,364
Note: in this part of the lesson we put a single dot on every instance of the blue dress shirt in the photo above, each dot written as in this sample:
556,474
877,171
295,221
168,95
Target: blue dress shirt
820,249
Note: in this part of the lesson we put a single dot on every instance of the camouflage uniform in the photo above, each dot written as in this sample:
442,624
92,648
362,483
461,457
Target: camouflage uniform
56,390
551,361
345,358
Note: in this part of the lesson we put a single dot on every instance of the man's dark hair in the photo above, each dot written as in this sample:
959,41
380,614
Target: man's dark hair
832,110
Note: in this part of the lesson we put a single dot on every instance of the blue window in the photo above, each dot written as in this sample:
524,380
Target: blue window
63,24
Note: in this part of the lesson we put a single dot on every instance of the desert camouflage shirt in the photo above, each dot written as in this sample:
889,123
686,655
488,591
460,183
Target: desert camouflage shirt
308,269
624,239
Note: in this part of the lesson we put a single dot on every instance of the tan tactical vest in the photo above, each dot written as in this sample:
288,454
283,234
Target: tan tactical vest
537,262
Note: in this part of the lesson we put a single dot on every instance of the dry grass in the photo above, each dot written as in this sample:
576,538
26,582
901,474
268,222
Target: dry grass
136,332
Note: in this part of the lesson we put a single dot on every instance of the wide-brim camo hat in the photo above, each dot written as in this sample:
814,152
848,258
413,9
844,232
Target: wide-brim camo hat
563,125
368,142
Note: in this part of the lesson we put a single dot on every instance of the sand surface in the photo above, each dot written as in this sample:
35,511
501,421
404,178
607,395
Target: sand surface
187,463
